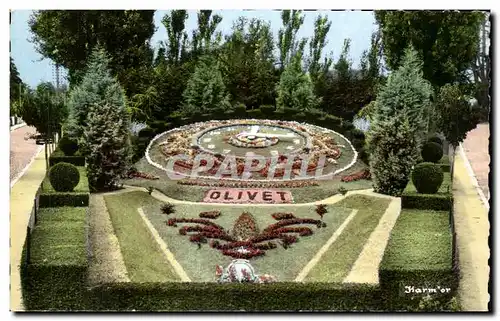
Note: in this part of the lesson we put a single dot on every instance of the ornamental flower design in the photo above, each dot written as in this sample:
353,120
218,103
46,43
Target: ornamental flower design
244,240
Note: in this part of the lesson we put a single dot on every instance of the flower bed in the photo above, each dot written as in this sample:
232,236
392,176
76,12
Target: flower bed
136,174
244,240
292,221
174,221
322,143
250,184
363,174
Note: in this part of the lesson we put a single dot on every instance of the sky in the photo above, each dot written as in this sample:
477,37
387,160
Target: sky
356,25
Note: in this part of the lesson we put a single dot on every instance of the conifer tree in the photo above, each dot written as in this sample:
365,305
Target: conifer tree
205,90
92,90
106,140
406,92
399,126
394,152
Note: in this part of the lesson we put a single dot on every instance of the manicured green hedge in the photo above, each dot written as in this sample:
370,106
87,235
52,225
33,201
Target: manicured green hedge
56,288
419,255
64,199
58,156
56,276
434,202
234,297
441,201
79,197
184,297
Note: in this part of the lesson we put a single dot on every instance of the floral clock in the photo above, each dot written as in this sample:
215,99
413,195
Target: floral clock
251,141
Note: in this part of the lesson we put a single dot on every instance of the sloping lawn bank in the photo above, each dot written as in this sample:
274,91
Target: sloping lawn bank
56,277
142,256
339,259
418,258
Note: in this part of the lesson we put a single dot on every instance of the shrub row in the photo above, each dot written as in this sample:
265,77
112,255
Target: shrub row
58,156
282,296
56,288
56,277
435,202
183,297
64,199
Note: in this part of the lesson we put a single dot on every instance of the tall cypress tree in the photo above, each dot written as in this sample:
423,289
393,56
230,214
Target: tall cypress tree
406,92
94,89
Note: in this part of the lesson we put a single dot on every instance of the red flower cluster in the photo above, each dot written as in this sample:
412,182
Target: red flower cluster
183,230
210,214
245,228
364,174
243,184
292,221
282,216
142,175
288,239
232,245
302,231
197,238
172,221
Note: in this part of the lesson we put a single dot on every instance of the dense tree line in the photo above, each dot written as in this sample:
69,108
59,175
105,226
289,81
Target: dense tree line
116,76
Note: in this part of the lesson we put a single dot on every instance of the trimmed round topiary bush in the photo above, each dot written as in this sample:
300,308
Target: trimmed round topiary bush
146,132
427,178
435,139
432,152
240,109
64,177
68,146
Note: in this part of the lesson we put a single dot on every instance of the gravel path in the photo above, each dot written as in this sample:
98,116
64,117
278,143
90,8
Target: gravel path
472,227
476,149
21,151
106,262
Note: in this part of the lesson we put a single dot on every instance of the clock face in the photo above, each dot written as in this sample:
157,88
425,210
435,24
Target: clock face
238,140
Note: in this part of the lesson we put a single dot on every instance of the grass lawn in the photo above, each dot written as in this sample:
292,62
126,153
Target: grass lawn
336,263
59,236
82,187
285,264
144,260
199,264
420,240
